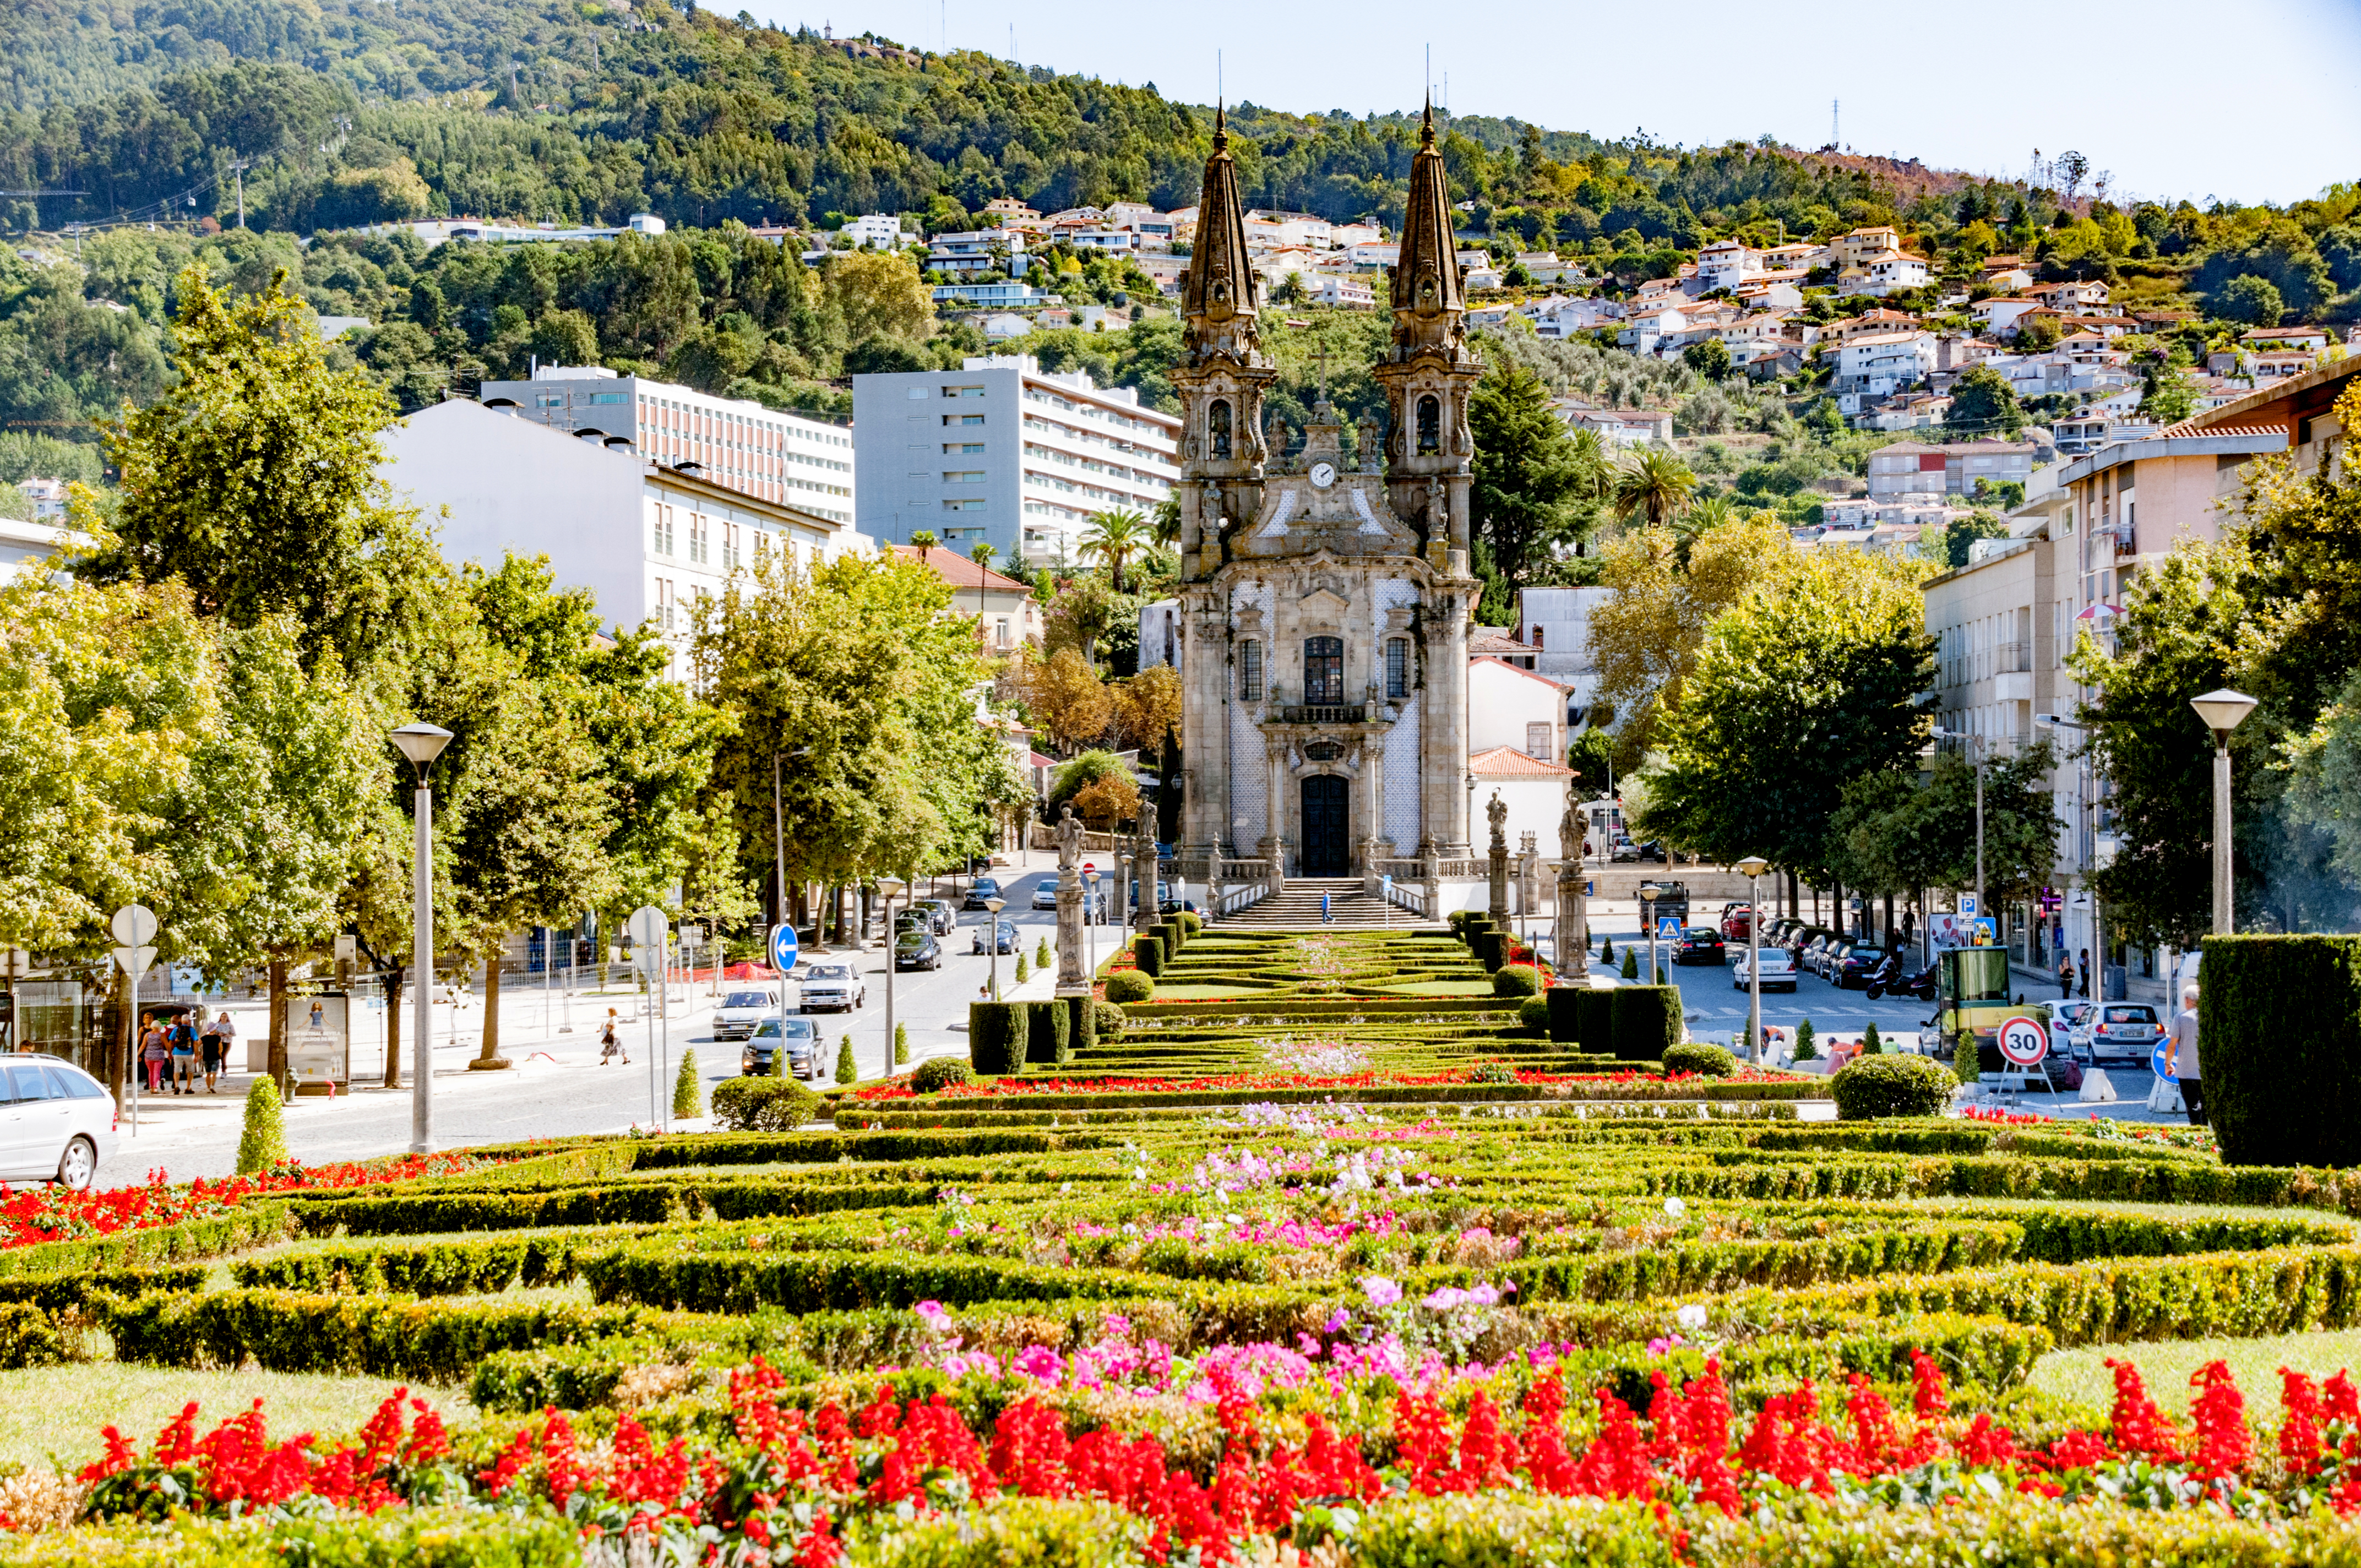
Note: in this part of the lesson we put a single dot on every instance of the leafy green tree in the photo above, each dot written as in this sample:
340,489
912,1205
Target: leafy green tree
1708,358
1530,477
1592,757
1803,682
2253,300
1113,537
1895,832
1983,403
2167,398
1961,533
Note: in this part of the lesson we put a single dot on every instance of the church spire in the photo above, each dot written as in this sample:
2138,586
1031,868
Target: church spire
1217,297
1427,297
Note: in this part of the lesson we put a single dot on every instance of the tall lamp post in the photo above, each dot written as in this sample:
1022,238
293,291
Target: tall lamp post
2222,711
993,906
1976,747
890,888
2084,807
1752,867
421,743
1090,900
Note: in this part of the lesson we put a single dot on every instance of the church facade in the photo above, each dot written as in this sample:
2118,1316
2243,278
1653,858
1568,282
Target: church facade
1325,600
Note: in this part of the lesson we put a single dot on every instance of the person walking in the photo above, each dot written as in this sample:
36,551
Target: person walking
610,1042
155,1051
184,1056
2065,975
209,1051
2183,1059
226,1035
1326,916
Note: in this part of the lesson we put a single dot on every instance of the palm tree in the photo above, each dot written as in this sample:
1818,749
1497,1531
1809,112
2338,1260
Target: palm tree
1657,485
1114,537
983,554
922,541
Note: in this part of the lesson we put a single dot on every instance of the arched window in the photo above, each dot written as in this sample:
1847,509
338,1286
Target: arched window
1217,425
1324,670
1429,424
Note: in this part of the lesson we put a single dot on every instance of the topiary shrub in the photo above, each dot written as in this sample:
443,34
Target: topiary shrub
1606,949
263,1144
1107,1021
1147,952
688,1093
1891,1086
1630,963
1871,1043
901,1045
1710,1061
1806,1042
1517,980
762,1104
995,1037
2279,1039
1646,1021
1191,921
848,1071
1594,1020
1041,958
1081,1024
1022,973
1492,949
1129,985
1534,1012
935,1074
1562,1004
1046,1034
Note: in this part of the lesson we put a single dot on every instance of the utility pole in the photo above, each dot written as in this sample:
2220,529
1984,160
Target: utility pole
1834,105
237,168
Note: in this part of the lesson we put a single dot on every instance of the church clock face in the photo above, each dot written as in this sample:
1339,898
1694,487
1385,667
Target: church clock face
1322,475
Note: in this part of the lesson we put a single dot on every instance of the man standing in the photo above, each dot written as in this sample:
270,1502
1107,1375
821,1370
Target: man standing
2184,1057
2086,973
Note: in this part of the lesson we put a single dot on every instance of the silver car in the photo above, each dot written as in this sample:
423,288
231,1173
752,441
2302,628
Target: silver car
832,986
1045,893
57,1123
743,1012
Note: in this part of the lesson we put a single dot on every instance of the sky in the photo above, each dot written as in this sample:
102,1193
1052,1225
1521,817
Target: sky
2138,86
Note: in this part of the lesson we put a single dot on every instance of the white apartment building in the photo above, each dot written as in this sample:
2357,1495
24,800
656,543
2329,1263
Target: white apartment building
1725,264
648,540
1003,452
1881,363
788,459
878,231
48,498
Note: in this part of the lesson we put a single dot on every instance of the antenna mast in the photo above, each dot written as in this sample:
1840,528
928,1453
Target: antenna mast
1835,141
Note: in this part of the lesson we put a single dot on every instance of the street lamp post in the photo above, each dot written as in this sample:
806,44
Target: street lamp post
1753,866
421,743
1648,919
993,906
1976,747
2085,850
2222,711
1089,924
889,888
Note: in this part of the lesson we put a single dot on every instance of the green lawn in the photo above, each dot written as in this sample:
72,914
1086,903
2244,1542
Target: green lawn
61,1410
2082,1376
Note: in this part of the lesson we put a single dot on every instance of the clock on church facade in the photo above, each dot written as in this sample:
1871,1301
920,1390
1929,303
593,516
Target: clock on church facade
1325,600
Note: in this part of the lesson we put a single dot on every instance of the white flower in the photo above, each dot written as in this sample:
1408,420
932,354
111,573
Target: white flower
1691,1318
1675,1208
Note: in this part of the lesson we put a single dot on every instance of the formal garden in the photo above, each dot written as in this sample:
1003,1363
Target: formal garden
1317,1256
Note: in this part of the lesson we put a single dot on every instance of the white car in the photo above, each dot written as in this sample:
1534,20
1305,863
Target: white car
1045,893
832,985
57,1123
743,1012
1778,971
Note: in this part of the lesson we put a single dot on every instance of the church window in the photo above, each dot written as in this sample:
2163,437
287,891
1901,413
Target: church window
1324,670
1397,666
1217,424
1250,672
1430,425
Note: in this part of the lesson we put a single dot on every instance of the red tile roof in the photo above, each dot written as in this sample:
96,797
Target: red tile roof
1507,761
959,572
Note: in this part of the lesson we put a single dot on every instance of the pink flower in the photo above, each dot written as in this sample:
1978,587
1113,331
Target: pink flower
1040,1363
1381,1291
934,1315
1446,1299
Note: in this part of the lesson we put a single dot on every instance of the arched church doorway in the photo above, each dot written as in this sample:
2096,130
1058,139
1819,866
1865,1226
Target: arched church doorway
1327,825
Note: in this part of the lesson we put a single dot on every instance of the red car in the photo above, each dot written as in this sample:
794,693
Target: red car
1735,918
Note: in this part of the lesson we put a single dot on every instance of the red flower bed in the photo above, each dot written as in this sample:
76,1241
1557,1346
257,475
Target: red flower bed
45,1213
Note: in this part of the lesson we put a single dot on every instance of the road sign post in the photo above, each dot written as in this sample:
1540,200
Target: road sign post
134,929
2023,1043
650,934
785,948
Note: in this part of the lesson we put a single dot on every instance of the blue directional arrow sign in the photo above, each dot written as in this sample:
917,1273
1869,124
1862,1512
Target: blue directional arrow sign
2161,1060
783,947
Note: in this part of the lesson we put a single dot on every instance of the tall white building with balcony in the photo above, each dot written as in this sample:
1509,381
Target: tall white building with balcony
1001,452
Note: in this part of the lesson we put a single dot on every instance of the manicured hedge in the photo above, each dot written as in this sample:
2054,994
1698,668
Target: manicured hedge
1082,1023
1045,1040
2278,1038
419,1537
1564,1004
998,1034
1870,1087
1147,955
1644,1022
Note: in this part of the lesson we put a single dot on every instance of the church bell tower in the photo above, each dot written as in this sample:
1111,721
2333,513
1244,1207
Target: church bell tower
1222,374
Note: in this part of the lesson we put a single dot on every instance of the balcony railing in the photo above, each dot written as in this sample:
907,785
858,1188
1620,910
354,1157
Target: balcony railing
1355,713
2011,658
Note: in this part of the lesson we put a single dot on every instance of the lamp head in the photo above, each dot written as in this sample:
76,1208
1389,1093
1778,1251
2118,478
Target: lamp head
421,743
1648,893
1753,866
2223,710
2050,721
995,905
893,887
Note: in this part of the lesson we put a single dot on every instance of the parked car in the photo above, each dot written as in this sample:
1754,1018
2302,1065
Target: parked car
1735,919
918,949
1778,971
939,911
802,1037
1004,938
1809,951
1045,893
979,890
2124,1034
743,1012
1672,899
57,1123
1854,970
1622,849
2069,1027
1653,849
1700,944
834,986
1795,941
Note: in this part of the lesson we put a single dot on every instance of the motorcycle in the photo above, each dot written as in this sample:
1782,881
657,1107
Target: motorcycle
1920,985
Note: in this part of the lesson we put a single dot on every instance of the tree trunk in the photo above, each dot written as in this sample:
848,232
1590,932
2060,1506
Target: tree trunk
1889,919
489,1059
393,1026
277,1058
1794,903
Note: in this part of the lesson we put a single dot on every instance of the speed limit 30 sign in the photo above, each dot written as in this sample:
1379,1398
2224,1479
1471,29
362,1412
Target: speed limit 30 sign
2023,1041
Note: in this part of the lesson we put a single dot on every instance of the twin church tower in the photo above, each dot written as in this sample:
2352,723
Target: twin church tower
1326,599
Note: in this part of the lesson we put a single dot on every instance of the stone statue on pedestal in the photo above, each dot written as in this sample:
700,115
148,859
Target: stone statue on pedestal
1496,813
1573,926
1074,973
